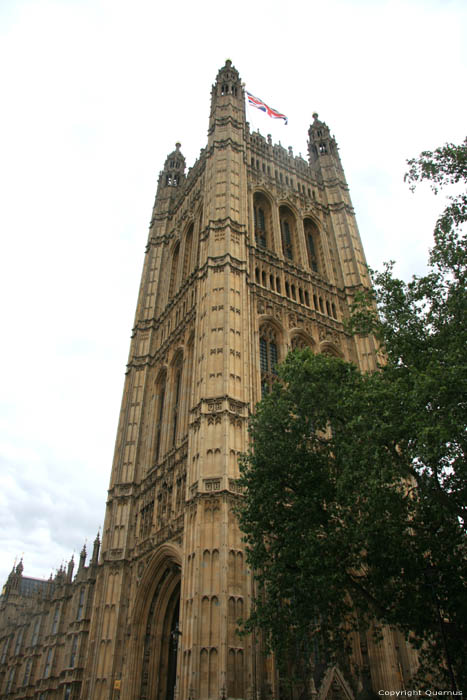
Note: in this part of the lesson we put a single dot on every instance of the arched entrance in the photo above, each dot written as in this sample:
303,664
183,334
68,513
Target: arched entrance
156,630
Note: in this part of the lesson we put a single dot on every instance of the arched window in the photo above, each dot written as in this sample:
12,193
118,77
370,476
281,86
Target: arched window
260,227
187,256
48,663
312,245
173,271
19,641
79,613
287,221
6,645
74,647
160,399
10,680
55,620
27,672
268,357
35,634
300,341
176,400
262,221
329,349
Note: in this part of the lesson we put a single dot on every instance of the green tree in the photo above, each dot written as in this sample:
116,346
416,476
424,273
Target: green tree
356,484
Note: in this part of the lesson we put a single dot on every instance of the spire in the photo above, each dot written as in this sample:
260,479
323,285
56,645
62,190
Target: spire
60,575
71,566
14,578
82,558
95,550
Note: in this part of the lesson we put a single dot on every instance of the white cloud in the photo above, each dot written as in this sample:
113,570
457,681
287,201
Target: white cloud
94,96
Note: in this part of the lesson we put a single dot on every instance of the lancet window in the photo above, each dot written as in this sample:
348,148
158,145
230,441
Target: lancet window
287,221
260,227
79,613
27,672
312,244
48,663
176,400
35,634
55,620
262,221
187,255
268,356
300,341
19,641
173,271
161,384
6,645
74,647
10,680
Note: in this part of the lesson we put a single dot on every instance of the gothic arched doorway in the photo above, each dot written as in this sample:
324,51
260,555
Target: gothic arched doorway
159,671
156,631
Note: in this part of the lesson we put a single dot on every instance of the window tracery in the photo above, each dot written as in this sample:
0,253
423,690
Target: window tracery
262,221
268,356
288,229
176,403
312,245
173,271
161,385
299,342
187,256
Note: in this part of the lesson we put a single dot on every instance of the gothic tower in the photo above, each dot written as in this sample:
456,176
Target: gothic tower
251,253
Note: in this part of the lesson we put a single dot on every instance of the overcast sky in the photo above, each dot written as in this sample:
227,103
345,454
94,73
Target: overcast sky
94,95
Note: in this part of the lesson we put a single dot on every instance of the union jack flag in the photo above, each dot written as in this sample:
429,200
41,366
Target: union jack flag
259,104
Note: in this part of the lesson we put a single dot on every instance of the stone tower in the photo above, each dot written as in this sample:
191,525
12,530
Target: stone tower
251,253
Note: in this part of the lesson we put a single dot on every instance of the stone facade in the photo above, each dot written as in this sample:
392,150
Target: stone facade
44,627
251,253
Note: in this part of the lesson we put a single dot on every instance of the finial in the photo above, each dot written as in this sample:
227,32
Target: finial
228,62
315,115
177,145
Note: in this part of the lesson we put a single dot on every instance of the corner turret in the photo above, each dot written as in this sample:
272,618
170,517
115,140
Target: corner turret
173,174
227,99
322,147
171,178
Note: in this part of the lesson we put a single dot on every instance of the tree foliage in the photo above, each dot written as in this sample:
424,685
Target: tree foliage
356,484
